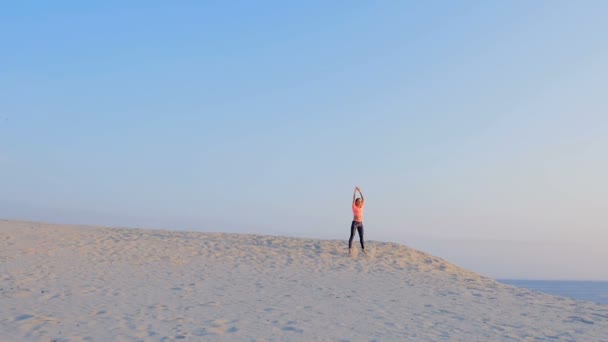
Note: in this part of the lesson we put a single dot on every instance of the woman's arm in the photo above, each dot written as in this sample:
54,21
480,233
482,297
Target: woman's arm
355,194
362,198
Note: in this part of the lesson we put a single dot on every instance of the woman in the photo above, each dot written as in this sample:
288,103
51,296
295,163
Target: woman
357,224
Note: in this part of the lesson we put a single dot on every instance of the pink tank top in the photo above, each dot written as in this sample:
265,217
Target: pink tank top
358,213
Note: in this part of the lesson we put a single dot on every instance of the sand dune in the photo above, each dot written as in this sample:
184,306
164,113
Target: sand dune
76,283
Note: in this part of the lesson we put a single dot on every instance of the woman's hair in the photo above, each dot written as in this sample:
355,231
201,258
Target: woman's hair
357,201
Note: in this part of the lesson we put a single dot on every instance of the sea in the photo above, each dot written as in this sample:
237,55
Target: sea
592,291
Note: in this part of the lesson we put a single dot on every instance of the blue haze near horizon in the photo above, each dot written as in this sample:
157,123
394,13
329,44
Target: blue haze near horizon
591,291
477,130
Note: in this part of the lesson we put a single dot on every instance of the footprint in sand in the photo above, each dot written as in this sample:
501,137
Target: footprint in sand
217,327
290,326
577,319
23,317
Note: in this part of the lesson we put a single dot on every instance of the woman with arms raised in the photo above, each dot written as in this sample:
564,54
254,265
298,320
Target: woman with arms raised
357,224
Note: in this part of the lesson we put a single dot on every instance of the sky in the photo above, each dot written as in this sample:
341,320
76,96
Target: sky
477,130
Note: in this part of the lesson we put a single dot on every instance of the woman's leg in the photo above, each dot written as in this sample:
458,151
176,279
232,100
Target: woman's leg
360,231
352,235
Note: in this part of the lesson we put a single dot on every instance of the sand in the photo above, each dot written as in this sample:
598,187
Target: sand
80,283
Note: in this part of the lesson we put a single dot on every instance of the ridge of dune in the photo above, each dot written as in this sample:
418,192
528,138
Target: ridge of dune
72,283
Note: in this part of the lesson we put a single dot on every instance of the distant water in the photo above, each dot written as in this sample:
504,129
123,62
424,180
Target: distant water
593,291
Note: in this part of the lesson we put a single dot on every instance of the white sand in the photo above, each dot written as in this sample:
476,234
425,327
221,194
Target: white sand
72,283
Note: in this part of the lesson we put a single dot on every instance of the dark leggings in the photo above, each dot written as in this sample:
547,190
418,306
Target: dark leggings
359,227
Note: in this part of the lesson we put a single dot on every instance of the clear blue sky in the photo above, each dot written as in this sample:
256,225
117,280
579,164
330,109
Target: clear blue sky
477,130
